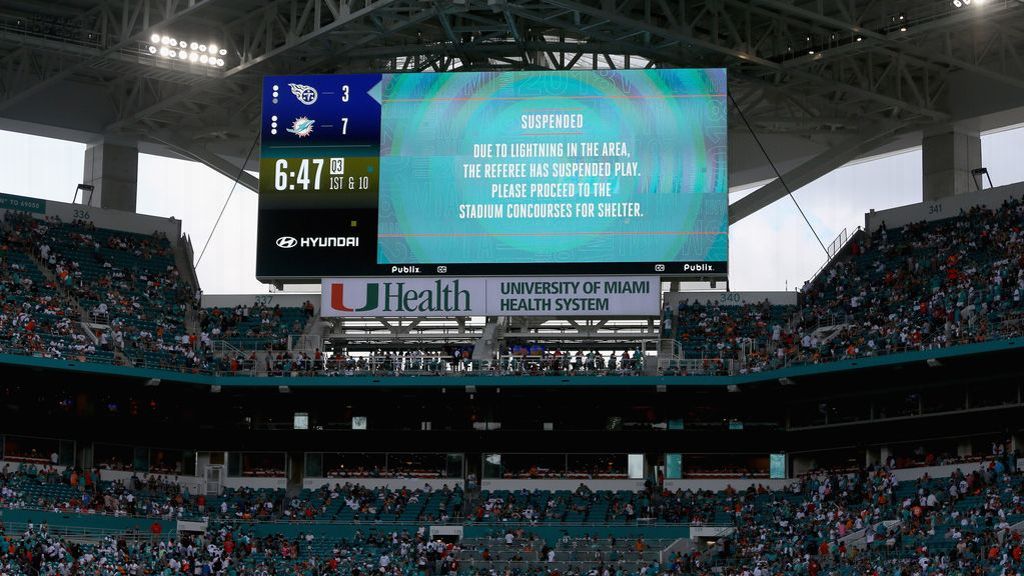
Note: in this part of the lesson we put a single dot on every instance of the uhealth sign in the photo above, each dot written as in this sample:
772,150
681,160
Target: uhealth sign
572,296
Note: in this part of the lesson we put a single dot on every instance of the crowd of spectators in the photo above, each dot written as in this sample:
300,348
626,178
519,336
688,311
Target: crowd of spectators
831,522
128,289
921,286
870,522
255,327
35,315
827,522
82,491
125,285
536,359
924,285
225,549
716,330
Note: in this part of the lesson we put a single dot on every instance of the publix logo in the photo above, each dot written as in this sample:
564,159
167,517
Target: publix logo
441,297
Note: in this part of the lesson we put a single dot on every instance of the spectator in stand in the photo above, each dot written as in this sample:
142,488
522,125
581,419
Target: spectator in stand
925,285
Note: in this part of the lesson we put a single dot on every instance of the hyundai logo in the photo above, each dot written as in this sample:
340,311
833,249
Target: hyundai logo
287,242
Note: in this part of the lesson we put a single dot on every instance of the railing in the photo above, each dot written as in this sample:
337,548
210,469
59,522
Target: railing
456,520
1012,328
83,531
702,367
834,248
225,346
837,243
433,365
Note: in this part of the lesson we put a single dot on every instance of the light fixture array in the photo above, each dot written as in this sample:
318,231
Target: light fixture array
185,51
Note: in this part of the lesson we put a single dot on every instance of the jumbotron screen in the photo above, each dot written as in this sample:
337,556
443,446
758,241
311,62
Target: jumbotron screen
494,173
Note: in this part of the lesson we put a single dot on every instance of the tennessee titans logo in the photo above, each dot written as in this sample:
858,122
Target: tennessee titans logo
305,94
302,127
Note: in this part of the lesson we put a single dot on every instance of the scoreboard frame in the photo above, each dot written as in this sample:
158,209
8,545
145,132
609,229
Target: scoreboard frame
319,191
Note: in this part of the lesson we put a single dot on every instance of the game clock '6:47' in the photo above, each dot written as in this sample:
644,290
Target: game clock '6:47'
305,176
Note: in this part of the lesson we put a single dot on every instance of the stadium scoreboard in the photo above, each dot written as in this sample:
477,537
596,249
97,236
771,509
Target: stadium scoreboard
610,172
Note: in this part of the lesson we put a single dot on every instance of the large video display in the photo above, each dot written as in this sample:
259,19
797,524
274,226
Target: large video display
494,173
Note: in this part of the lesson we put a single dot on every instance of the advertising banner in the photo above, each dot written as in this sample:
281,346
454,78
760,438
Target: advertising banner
450,296
573,296
22,204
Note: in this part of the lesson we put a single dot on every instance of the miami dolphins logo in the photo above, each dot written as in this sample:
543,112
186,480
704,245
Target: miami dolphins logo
302,127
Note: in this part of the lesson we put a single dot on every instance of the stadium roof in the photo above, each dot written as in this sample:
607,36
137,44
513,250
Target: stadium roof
822,81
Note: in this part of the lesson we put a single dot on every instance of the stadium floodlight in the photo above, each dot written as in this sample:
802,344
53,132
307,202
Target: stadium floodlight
958,4
186,51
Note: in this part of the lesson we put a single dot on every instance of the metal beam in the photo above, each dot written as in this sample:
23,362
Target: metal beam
122,23
904,43
739,56
198,152
811,170
266,41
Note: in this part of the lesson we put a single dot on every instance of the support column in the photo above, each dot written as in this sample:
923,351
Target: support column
872,456
947,158
801,464
964,448
883,454
113,170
